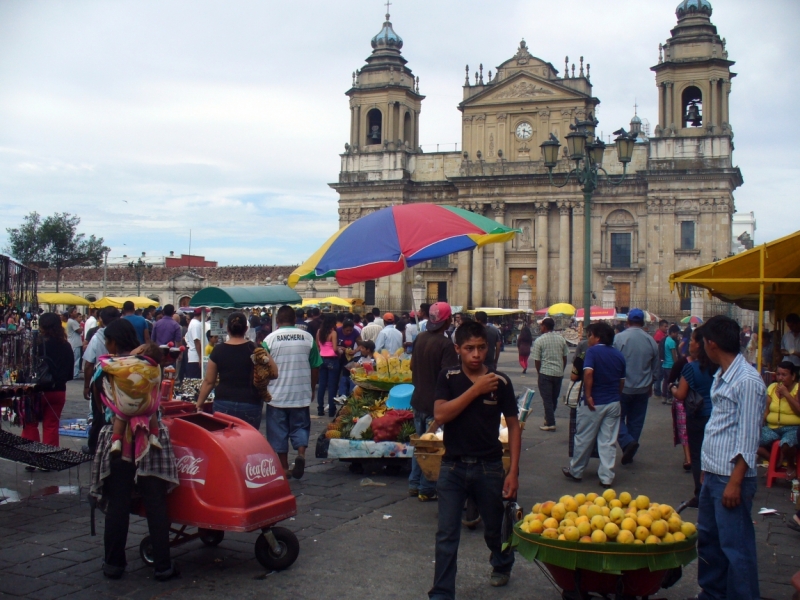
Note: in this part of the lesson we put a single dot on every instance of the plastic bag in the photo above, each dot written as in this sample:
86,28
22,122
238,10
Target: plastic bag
361,426
387,427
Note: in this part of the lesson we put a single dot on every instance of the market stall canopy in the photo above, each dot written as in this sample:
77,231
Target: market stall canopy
496,312
61,298
738,279
596,313
335,300
562,308
245,296
389,240
138,302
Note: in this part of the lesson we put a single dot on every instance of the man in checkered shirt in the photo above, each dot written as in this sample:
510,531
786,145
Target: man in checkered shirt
549,354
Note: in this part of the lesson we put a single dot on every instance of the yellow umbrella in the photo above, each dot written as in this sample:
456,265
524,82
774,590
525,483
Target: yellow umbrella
61,298
562,308
138,302
335,300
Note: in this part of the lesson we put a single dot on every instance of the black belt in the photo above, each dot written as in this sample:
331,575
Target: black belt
470,460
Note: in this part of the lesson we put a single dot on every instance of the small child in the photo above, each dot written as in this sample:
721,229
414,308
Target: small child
212,341
366,349
130,389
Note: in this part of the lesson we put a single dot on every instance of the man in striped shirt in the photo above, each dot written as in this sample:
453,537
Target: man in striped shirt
726,544
296,354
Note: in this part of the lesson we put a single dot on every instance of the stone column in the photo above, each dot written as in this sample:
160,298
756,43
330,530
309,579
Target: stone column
670,113
577,253
726,90
563,252
499,250
711,114
477,277
388,127
698,302
464,278
541,245
609,294
466,136
525,295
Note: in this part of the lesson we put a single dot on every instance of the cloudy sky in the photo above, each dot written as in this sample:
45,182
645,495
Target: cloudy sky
151,119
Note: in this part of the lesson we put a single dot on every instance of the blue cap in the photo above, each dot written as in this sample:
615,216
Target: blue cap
636,314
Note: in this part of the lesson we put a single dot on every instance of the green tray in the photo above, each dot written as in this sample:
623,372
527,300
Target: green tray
611,558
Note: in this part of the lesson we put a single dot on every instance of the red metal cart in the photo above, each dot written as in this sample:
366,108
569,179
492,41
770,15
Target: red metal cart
230,480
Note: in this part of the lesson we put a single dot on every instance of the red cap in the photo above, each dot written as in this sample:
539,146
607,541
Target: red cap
388,317
438,314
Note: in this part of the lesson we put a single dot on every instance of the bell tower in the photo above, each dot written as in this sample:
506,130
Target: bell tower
693,76
384,99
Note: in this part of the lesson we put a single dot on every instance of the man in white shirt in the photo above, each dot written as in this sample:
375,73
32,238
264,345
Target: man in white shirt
75,340
790,344
389,338
376,312
371,330
95,349
194,337
91,321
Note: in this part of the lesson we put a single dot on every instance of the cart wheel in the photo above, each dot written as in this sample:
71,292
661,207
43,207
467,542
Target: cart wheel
211,537
289,549
356,467
146,552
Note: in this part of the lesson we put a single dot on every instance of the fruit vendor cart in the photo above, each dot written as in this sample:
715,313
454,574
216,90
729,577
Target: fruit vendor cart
624,571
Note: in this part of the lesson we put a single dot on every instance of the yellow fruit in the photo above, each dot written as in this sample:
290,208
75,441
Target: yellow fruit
600,501
625,537
639,513
540,517
571,515
536,508
645,521
585,540
561,529
581,519
688,529
668,539
605,511
593,511
579,499
562,538
584,528
666,511
642,502
659,528
629,524
524,527
570,504
609,495
535,526
642,533
598,522
654,512
572,534
640,542
547,507
582,511
550,533
558,511
568,523
550,523
615,503
678,536
591,497
616,515
611,531
674,523
599,537
651,539
625,498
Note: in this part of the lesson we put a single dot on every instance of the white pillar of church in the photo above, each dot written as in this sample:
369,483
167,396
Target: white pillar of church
577,253
563,252
477,277
499,256
541,253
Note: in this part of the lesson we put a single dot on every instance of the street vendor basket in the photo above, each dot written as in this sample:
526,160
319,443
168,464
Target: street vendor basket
429,455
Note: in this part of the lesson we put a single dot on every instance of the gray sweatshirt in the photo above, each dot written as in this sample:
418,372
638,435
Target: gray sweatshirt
641,358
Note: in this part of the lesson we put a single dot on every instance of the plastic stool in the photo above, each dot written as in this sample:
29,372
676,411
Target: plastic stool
775,470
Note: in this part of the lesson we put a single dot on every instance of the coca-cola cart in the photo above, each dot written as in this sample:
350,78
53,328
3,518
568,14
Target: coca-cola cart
230,480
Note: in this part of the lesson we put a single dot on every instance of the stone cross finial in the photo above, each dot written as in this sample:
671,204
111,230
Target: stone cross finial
490,77
466,79
573,70
588,68
566,67
476,78
581,74
660,50
481,69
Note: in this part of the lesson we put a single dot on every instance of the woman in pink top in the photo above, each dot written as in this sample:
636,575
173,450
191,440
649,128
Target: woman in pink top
329,350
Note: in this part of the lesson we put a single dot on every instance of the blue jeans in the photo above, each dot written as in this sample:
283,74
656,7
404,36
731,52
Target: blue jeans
417,481
288,424
634,409
346,384
483,482
726,546
249,412
328,382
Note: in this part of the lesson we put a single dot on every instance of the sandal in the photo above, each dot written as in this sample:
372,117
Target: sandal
793,525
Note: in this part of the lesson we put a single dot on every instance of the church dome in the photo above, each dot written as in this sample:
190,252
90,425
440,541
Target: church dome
689,7
387,38
636,119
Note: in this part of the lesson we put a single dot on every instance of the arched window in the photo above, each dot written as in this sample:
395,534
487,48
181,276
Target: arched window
184,301
619,239
374,127
408,132
692,103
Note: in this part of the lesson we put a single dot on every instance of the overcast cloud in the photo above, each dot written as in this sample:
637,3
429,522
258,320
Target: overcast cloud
148,119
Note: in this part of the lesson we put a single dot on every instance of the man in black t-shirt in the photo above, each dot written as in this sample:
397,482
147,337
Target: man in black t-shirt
469,401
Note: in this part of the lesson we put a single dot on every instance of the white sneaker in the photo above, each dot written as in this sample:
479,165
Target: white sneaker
548,427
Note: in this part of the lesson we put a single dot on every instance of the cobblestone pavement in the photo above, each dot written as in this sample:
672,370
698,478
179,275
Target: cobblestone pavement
356,541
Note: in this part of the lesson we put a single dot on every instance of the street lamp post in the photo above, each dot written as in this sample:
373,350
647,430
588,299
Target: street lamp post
587,152
139,268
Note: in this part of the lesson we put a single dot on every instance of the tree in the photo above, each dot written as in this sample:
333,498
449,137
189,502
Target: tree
55,241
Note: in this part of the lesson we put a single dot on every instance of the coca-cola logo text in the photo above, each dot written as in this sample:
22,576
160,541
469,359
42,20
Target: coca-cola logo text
191,466
258,469
188,465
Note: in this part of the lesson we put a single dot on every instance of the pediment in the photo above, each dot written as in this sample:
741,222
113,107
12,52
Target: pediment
186,276
525,87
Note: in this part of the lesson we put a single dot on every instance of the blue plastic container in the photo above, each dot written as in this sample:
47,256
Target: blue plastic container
400,397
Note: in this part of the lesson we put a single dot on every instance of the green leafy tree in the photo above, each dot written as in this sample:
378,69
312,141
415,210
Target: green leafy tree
56,242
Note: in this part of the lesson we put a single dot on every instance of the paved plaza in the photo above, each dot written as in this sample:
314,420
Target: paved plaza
356,541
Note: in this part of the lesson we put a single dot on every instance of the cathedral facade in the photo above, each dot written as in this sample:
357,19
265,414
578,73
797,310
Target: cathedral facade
672,212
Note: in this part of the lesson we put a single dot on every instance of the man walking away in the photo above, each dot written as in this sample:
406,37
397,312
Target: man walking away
389,338
74,338
296,354
550,353
726,545
194,337
641,364
139,323
659,336
166,329
96,349
422,316
433,351
493,341
669,358
376,312
371,330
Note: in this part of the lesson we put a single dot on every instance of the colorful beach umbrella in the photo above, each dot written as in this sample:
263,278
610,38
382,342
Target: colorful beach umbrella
391,239
692,319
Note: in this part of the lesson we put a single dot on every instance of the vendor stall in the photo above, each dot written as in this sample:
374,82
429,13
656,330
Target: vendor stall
138,302
62,299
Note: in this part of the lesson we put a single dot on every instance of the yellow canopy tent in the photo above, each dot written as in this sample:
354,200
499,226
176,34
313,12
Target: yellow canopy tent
335,300
496,312
764,278
61,298
138,302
